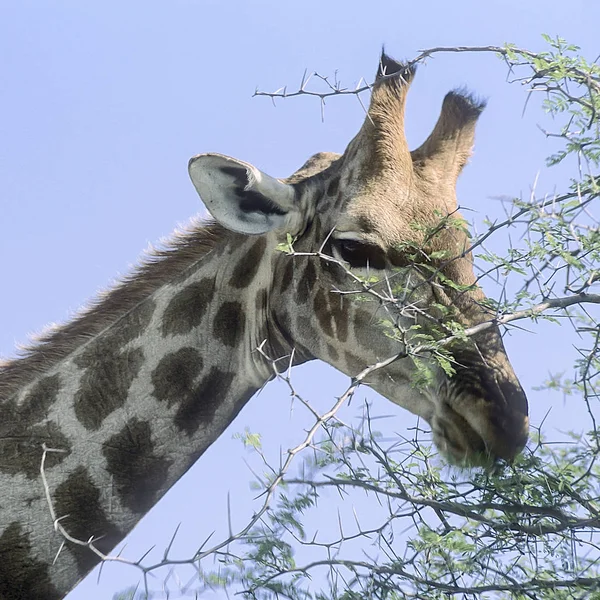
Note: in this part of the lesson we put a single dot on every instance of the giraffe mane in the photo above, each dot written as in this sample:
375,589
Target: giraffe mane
158,266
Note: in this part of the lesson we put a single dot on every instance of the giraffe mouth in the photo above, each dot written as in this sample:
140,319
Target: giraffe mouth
459,442
473,432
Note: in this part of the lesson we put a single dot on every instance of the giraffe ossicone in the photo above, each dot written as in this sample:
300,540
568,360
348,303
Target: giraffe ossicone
134,390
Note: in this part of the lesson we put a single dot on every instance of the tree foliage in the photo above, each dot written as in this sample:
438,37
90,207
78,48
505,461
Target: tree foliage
529,530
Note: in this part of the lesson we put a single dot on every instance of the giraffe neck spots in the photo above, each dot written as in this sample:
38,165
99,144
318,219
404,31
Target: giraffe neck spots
174,377
261,301
248,265
178,380
109,368
78,500
288,275
105,384
132,325
333,187
187,309
331,314
132,409
230,324
24,429
306,283
21,574
139,474
199,408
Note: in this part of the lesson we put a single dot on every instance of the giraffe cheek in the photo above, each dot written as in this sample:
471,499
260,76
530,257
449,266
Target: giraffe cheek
321,310
307,282
338,307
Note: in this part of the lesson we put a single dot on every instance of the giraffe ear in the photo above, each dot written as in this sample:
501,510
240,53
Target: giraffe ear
240,196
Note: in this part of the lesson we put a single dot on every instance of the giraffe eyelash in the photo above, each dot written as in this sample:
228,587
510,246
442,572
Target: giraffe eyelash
358,254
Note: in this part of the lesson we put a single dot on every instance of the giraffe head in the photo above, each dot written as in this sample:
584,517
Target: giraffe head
389,216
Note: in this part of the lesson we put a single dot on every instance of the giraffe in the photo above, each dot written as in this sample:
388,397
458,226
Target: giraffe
130,393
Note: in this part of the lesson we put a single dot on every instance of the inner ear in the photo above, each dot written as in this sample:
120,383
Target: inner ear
241,197
251,200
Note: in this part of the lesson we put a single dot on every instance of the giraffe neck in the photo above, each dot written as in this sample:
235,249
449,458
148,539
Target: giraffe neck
128,411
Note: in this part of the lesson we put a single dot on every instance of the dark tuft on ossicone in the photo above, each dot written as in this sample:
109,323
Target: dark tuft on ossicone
465,103
388,67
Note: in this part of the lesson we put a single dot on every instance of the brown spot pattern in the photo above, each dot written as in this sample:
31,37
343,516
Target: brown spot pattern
42,396
133,324
339,315
307,282
138,473
187,308
229,324
329,309
23,431
198,408
307,335
125,330
21,449
21,575
321,310
288,274
246,270
173,379
262,301
79,499
105,384
334,184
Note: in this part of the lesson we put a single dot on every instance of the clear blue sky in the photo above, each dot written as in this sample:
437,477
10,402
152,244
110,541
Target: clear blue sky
102,104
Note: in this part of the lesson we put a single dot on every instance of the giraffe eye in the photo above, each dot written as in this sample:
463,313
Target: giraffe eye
359,254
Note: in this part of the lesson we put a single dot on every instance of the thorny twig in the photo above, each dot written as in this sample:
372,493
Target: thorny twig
505,511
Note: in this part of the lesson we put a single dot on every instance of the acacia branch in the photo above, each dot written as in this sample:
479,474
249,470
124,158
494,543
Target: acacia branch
581,77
